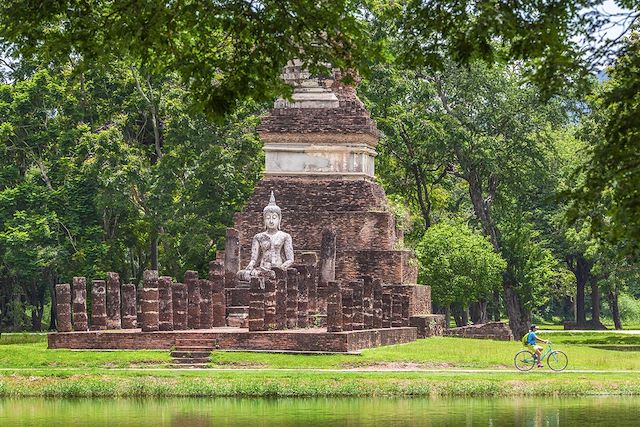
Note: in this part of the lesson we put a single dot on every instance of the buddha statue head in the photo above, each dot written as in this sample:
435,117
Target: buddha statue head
272,214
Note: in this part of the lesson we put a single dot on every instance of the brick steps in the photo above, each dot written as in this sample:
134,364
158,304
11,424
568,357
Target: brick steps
191,360
193,352
177,354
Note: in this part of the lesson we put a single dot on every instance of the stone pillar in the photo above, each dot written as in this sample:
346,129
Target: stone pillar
218,300
193,299
310,259
231,256
139,306
98,305
63,307
367,301
347,309
326,267
386,307
334,307
281,299
328,256
256,305
129,306
206,309
79,294
270,319
149,302
303,295
179,300
165,304
377,303
292,298
113,301
405,302
358,314
396,309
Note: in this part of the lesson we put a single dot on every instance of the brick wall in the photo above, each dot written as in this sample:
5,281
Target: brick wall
491,330
310,340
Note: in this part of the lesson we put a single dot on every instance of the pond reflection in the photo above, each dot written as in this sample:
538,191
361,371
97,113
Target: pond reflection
623,411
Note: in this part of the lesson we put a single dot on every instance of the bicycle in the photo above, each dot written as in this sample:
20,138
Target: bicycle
525,360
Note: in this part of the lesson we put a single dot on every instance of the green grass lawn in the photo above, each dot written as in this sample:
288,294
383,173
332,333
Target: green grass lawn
30,369
23,351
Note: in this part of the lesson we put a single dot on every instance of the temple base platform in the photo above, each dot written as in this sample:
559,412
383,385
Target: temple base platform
227,338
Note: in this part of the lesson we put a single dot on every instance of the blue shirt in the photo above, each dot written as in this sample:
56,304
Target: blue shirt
531,339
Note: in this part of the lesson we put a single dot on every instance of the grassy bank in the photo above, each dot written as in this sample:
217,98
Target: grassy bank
434,353
29,369
310,385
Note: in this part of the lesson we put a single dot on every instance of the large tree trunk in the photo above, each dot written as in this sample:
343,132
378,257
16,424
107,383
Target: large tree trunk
478,312
154,251
595,302
447,316
582,271
53,312
459,315
615,309
495,306
519,318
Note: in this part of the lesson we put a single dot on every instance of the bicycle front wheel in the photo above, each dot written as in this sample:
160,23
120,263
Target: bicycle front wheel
524,360
557,360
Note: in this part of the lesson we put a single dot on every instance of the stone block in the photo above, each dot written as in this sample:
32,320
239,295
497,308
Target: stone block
334,307
149,301
358,295
193,299
98,305
63,308
165,304
206,307
377,303
79,305
129,306
179,302
113,301
428,325
292,298
281,299
256,306
347,309
218,295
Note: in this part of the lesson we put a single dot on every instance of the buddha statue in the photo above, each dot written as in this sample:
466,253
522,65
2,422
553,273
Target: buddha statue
270,248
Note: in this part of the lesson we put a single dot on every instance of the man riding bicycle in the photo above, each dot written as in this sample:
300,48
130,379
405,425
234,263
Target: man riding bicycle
532,340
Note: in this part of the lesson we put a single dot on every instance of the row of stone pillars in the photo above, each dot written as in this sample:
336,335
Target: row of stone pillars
286,302
163,305
365,304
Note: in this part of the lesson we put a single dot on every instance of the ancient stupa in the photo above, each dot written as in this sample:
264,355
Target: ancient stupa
320,148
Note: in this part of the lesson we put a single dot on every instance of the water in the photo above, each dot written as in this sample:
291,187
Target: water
593,411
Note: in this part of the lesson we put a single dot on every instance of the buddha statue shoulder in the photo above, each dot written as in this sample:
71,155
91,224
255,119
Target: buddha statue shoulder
270,248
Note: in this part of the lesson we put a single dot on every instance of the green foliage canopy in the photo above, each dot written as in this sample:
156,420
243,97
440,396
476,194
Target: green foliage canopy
222,50
459,264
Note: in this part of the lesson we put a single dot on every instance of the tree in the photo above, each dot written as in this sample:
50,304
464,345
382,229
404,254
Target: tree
81,194
559,41
479,130
413,161
229,50
460,265
222,51
610,194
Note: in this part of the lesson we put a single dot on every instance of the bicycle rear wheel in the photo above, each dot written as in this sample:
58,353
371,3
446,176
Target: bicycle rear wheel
557,360
524,360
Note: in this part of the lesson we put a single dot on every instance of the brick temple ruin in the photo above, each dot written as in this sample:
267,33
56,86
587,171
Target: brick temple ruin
350,285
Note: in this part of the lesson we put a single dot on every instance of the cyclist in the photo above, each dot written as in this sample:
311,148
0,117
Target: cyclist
532,340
